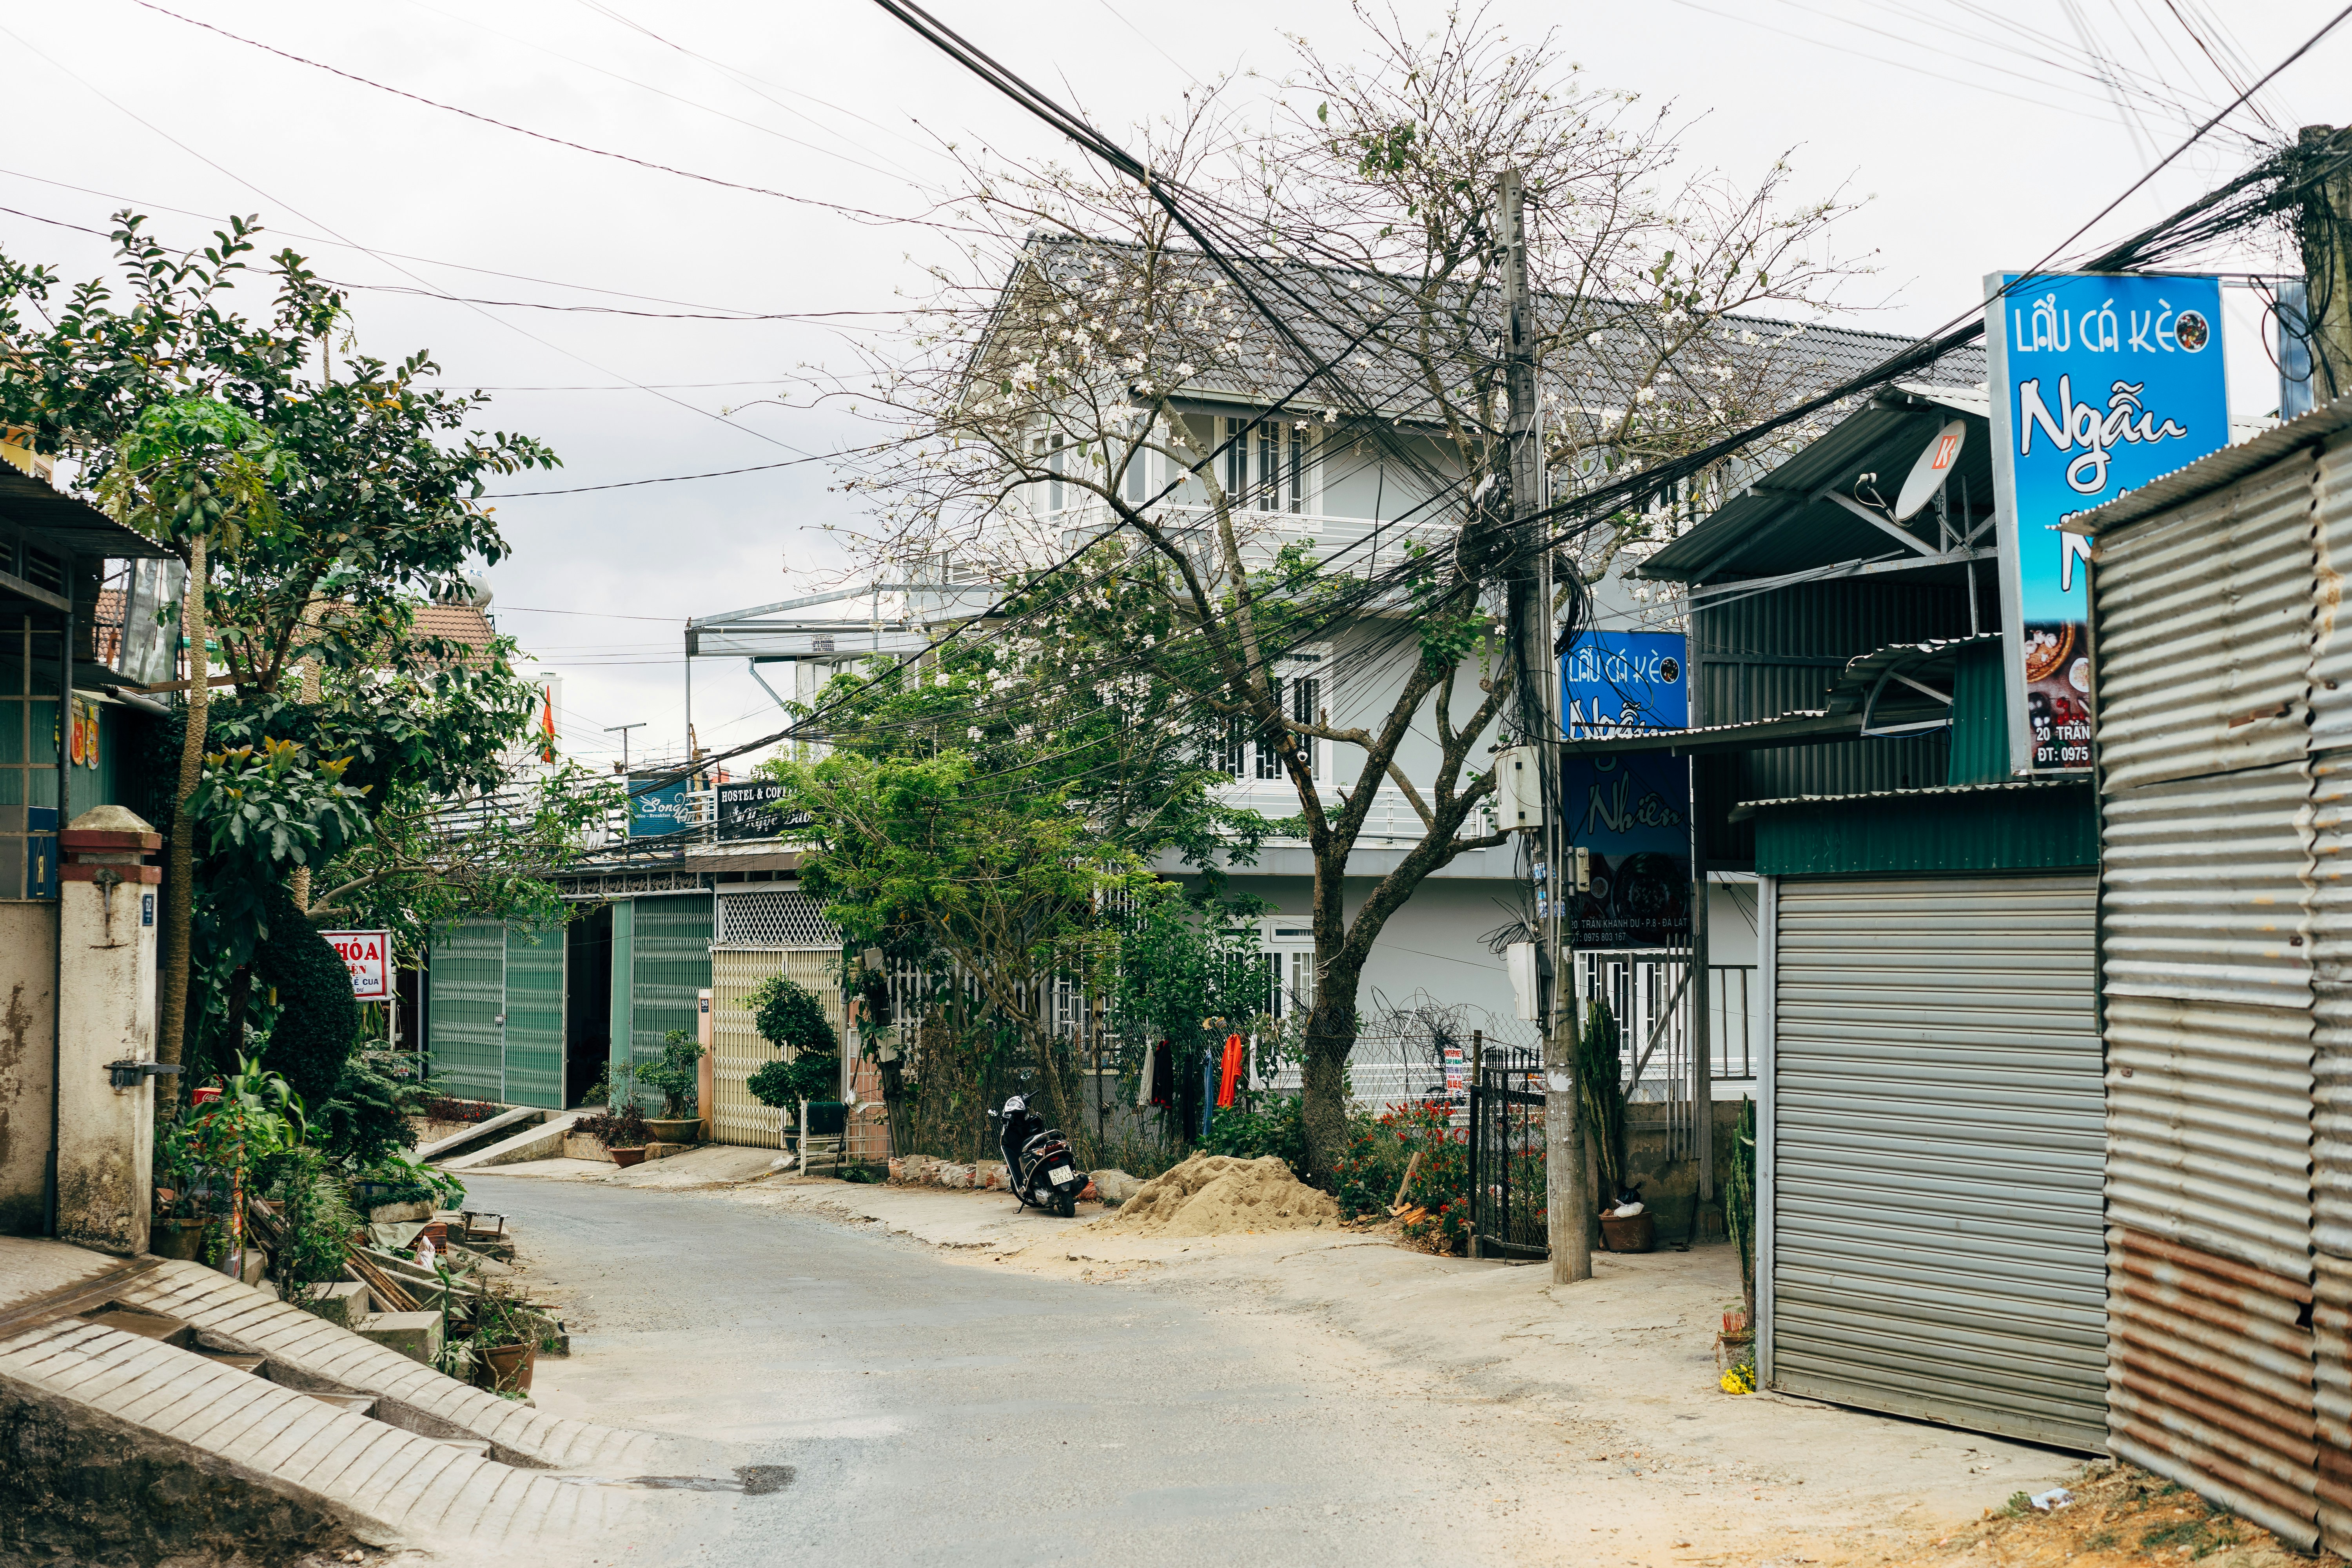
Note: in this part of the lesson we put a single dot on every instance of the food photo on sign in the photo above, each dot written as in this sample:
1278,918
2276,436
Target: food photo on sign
2102,381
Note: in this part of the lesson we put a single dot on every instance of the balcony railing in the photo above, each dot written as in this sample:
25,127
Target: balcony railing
1356,545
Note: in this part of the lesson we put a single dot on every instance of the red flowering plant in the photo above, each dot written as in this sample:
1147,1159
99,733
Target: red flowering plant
1436,1186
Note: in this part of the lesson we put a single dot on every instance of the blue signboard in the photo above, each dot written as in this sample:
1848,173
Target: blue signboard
667,808
1624,683
2100,383
1631,811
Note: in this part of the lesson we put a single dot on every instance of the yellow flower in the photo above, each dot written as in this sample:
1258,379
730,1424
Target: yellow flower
1740,1379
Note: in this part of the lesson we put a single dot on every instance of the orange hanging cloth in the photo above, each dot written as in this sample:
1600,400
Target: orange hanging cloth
1232,1070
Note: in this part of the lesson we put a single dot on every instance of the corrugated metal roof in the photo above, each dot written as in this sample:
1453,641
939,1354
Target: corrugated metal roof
75,524
1869,694
2011,784
2212,472
1776,525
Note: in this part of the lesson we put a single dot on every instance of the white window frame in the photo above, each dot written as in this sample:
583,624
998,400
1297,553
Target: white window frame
1289,940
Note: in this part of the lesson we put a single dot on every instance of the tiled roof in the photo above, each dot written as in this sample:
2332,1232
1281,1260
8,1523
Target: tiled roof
455,623
1605,365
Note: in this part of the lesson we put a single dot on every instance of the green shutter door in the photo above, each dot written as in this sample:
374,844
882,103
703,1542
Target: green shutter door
670,964
467,981
534,1044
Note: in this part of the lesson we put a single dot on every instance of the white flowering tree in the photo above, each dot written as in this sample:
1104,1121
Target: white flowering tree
1057,399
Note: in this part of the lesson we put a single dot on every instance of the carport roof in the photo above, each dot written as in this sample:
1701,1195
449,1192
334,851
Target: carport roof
1781,524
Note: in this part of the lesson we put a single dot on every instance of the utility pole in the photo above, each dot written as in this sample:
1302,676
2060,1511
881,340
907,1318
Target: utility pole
1568,1207
2323,214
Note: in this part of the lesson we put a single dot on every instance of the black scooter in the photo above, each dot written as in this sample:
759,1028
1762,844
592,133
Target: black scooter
1044,1173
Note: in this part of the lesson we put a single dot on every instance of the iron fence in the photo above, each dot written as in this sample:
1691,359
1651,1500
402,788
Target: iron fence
1506,1156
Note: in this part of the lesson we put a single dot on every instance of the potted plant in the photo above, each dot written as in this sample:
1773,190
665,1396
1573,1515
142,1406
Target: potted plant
624,1132
505,1340
177,1230
790,1018
674,1078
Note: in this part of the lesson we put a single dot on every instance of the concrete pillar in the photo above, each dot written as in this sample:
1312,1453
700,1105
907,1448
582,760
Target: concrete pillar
29,1043
106,1030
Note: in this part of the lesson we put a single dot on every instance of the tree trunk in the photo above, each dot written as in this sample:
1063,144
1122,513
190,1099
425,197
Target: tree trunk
1323,1090
1324,1093
179,892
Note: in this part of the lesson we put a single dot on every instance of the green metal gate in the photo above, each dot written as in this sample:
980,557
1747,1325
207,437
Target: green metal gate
469,980
495,1025
534,1033
669,966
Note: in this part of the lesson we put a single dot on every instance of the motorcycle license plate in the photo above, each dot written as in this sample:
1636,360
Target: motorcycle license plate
1059,1174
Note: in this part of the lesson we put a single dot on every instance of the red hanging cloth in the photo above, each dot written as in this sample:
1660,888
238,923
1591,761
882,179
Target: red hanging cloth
1232,1070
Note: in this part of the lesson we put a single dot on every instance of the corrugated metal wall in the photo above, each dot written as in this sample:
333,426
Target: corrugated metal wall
2211,1377
1762,656
466,977
2205,632
534,1009
669,964
2205,618
1936,1145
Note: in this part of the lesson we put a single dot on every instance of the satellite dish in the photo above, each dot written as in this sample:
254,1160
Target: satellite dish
1934,466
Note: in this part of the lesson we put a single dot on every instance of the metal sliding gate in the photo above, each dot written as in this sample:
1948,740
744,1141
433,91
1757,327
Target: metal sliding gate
1507,1156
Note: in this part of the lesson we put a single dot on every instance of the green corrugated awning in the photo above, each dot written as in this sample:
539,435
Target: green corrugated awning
2026,825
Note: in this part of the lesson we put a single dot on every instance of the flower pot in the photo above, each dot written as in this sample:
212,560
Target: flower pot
624,1158
507,1369
1638,1234
182,1239
682,1129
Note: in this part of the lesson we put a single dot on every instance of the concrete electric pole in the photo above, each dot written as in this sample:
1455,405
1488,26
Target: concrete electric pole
2321,225
1568,1206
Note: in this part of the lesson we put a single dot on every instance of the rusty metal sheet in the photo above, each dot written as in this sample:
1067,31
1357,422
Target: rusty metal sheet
2211,1379
2205,887
2331,1328
2205,629
2331,945
2331,633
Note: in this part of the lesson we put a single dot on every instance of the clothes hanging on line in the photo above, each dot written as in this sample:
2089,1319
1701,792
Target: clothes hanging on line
1163,1074
1144,1080
1231,1069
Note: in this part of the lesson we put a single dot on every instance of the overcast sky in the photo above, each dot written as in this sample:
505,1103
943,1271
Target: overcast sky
1980,129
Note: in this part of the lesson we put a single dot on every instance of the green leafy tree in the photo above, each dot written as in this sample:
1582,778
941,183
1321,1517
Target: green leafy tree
317,503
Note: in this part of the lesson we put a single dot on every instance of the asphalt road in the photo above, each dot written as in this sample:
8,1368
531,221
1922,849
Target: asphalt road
942,1412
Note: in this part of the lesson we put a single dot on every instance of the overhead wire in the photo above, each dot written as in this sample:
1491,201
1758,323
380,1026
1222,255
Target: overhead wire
214,164
861,213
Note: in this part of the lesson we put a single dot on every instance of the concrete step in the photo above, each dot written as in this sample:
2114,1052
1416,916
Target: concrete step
147,1325
349,1403
343,1302
416,1335
544,1142
311,1351
124,1414
505,1123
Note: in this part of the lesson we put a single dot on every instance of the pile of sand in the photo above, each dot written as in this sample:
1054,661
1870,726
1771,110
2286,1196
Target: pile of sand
1217,1195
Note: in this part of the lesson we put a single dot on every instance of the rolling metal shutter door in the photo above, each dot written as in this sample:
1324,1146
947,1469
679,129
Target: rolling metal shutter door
1937,1132
534,1043
669,963
468,976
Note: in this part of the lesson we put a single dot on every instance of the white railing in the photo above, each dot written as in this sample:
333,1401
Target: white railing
1356,545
